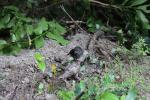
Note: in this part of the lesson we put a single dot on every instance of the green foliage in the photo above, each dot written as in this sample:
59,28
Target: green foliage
141,48
40,88
131,95
41,27
135,13
55,31
24,32
93,91
130,17
66,95
138,50
39,59
108,96
108,87
93,25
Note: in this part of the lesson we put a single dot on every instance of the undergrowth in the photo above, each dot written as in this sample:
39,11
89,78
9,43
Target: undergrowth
19,31
128,20
119,82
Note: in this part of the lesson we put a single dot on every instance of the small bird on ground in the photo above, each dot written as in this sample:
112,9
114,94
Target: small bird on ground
77,52
71,69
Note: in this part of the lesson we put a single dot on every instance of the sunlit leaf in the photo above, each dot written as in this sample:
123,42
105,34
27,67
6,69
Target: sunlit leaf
109,96
40,87
66,95
39,59
13,38
54,69
131,95
123,97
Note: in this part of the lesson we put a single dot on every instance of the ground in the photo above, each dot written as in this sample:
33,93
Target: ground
20,76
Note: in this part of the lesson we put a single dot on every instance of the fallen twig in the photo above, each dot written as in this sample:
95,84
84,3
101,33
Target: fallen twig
71,22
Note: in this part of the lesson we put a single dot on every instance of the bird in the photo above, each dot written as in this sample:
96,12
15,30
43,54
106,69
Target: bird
76,53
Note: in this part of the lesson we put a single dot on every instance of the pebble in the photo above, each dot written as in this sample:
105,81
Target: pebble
26,80
51,97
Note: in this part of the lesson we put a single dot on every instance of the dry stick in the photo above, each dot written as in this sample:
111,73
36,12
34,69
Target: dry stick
70,22
62,7
104,4
11,95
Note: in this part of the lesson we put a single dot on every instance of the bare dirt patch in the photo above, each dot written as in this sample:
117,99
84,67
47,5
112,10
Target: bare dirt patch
20,76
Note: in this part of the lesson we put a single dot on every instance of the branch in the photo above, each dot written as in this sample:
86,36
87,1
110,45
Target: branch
62,7
104,4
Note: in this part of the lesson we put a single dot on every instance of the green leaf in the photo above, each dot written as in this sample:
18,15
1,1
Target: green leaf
39,59
109,96
79,88
26,19
41,27
137,2
11,23
123,97
20,32
2,25
5,19
131,95
142,16
39,42
13,8
2,44
91,29
29,29
40,87
92,90
143,19
66,95
56,28
125,2
15,49
13,38
58,38
146,26
90,22
144,8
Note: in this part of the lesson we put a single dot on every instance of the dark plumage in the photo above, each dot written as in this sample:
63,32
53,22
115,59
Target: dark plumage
76,53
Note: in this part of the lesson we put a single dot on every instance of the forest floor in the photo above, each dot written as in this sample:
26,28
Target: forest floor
20,76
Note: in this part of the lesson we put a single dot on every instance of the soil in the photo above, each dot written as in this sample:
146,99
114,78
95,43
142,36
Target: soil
20,76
